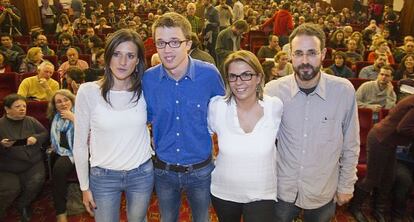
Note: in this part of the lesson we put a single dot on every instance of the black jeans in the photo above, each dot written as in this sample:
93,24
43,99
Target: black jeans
61,169
24,186
258,211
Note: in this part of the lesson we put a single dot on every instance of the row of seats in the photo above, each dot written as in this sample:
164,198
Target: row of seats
365,117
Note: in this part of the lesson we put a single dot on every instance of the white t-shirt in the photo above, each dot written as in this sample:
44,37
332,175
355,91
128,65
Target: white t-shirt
246,163
116,137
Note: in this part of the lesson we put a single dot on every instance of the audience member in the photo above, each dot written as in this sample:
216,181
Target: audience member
182,156
238,10
371,71
396,129
228,40
13,52
48,15
10,18
378,94
254,185
407,48
74,78
121,148
196,22
406,68
4,63
41,41
270,50
40,86
196,52
339,68
381,47
225,13
352,54
96,71
282,23
61,113
22,170
65,42
73,60
337,40
33,59
211,28
282,65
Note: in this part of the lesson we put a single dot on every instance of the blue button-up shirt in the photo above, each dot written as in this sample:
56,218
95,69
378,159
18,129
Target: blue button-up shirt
177,111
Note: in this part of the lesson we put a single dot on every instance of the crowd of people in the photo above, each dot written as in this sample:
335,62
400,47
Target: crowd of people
286,123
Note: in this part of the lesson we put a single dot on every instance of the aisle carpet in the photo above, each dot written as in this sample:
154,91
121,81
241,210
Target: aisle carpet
43,211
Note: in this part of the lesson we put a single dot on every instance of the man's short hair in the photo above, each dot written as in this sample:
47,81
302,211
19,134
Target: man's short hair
6,35
170,20
44,64
271,37
309,29
388,67
241,25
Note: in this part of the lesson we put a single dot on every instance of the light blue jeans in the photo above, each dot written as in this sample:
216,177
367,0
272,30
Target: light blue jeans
196,183
107,186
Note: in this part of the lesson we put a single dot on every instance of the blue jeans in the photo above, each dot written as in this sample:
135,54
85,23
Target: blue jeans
196,184
107,185
287,212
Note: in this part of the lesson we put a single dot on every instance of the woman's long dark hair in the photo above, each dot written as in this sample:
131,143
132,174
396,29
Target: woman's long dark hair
118,37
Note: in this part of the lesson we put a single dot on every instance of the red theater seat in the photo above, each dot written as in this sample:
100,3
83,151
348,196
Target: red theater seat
365,125
9,83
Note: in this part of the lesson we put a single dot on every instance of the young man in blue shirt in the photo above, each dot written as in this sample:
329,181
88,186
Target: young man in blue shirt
177,93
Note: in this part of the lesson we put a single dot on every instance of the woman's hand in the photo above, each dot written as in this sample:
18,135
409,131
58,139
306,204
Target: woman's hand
88,202
7,143
31,141
67,114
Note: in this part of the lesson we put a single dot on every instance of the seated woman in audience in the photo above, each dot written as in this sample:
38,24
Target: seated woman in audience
74,77
244,182
61,113
269,71
339,67
282,65
94,45
22,170
33,59
63,23
337,40
406,68
357,36
4,66
96,71
381,47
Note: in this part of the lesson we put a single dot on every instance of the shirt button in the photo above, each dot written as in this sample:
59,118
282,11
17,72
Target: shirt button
177,118
303,151
176,84
306,118
186,78
178,150
301,167
305,135
176,101
178,134
198,105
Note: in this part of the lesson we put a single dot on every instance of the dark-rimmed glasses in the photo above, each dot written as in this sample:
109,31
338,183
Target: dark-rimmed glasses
245,76
173,43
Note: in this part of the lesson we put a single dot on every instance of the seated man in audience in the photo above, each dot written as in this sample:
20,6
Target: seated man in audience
41,42
371,72
73,60
13,52
269,51
352,55
41,86
378,94
407,48
89,33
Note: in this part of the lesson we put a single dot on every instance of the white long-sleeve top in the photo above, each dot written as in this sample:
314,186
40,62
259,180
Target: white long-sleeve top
246,163
115,138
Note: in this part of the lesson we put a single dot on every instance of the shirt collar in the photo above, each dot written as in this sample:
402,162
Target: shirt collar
320,88
190,73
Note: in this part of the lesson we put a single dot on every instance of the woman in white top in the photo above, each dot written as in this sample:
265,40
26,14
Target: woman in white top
246,123
111,132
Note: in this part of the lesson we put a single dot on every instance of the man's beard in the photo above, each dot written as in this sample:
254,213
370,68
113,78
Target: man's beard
306,75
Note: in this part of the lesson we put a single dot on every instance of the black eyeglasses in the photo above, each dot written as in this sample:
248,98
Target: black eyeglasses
245,76
172,43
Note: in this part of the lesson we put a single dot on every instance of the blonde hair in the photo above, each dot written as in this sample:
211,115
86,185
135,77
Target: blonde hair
250,59
32,52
